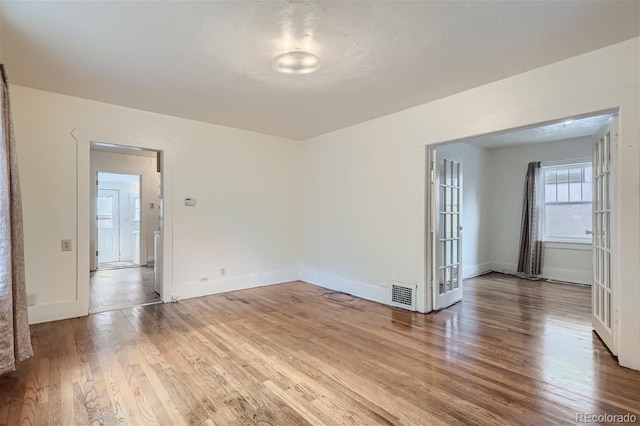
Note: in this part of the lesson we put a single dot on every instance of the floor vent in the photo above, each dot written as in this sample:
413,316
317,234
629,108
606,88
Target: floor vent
403,295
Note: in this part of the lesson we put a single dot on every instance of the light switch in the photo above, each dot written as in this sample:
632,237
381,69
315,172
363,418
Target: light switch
190,202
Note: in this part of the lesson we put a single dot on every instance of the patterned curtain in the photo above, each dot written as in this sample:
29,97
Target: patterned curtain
530,258
15,338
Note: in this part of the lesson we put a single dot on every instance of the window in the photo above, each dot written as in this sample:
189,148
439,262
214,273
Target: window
136,209
567,197
105,212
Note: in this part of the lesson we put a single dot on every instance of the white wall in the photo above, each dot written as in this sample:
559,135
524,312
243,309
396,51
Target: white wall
363,196
358,218
246,185
476,211
564,262
150,217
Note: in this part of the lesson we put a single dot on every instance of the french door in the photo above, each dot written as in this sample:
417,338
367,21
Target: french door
602,297
445,228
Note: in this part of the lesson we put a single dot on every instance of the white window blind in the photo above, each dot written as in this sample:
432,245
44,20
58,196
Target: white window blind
567,198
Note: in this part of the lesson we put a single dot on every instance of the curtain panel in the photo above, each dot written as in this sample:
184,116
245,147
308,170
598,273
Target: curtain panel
15,338
530,257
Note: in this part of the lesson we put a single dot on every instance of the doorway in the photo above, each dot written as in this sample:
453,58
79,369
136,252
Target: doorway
568,150
118,220
126,190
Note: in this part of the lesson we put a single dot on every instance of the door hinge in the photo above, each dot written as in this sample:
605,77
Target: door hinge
96,252
433,173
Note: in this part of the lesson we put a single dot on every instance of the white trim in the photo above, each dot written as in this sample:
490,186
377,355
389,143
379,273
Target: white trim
84,137
376,293
223,285
475,270
421,163
423,292
56,311
567,275
567,245
558,274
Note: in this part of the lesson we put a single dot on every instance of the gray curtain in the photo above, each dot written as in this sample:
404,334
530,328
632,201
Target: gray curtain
530,258
15,338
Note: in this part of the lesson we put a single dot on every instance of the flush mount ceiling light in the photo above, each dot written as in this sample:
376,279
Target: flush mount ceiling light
296,62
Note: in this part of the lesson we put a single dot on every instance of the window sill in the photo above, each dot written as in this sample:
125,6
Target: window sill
567,245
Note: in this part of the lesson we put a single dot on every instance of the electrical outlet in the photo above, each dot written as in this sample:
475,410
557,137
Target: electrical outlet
223,272
32,299
203,279
65,245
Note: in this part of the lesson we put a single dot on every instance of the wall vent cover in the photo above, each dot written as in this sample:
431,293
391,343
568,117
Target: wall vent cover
403,295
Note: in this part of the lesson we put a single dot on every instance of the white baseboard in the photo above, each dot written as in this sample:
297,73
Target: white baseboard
558,274
568,275
222,285
56,311
475,270
367,291
150,261
73,308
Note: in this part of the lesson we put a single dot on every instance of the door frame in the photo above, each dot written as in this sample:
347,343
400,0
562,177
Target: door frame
166,149
94,240
424,292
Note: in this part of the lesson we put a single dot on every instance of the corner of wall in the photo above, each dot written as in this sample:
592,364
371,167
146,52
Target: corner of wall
360,289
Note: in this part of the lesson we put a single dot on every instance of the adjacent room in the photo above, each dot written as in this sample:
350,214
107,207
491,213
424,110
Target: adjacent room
492,174
284,213
125,227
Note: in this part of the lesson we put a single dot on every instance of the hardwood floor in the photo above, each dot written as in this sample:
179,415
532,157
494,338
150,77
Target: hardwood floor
513,352
113,289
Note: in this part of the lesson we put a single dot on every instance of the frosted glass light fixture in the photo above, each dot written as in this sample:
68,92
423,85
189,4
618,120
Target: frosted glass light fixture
296,62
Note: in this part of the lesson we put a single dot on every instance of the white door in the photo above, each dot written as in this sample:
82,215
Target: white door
446,228
602,296
108,223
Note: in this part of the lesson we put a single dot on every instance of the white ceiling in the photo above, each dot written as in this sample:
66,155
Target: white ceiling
211,61
566,129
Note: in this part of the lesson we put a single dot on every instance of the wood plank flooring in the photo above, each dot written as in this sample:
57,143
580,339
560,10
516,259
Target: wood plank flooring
113,289
513,352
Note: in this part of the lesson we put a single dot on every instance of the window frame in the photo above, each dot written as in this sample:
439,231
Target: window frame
563,165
